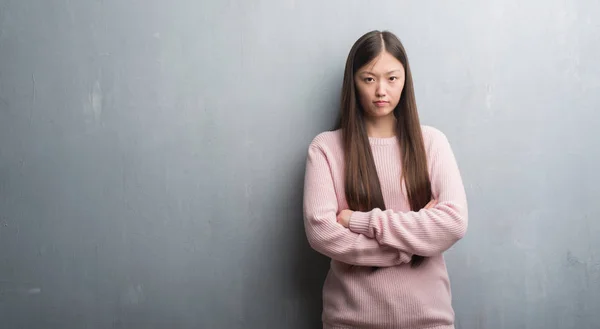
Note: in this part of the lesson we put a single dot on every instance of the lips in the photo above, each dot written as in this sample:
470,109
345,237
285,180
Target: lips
381,103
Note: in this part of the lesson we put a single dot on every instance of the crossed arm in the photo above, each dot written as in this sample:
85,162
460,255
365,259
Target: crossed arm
385,237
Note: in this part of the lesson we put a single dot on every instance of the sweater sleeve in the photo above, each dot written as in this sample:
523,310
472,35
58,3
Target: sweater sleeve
426,232
325,234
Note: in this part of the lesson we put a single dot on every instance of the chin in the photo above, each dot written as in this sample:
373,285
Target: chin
380,113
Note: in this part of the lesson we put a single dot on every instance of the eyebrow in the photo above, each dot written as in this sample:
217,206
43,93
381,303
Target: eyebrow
371,73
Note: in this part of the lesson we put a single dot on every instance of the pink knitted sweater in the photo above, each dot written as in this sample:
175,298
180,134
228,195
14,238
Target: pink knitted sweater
396,295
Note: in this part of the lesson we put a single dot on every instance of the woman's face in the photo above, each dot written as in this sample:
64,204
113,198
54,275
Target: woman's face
379,84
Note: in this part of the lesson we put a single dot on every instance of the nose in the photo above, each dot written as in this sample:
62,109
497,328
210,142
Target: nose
380,91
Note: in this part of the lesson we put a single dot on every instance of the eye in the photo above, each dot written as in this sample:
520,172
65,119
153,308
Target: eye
368,79
393,78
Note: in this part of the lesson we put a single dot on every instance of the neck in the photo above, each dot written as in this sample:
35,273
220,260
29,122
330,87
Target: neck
381,127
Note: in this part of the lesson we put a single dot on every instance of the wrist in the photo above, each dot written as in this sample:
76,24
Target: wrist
359,223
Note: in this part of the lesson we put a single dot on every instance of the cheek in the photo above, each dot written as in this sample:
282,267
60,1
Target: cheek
363,95
397,91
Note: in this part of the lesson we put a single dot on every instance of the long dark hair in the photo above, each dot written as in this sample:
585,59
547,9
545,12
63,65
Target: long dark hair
363,189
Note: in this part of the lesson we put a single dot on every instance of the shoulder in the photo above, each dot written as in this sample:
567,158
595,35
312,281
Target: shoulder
433,136
432,133
327,146
327,140
437,146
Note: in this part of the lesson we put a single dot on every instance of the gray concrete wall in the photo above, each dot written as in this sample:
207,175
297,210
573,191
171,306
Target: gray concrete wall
152,156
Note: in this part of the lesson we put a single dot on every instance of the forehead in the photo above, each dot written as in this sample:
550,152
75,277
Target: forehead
382,64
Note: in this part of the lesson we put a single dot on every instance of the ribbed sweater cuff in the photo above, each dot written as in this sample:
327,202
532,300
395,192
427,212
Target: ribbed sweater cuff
359,223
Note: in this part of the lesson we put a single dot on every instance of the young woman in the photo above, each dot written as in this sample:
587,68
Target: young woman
383,198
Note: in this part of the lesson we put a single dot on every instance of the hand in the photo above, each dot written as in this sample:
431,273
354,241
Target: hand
344,217
431,204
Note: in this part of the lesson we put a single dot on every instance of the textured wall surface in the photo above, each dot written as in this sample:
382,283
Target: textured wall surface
152,156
